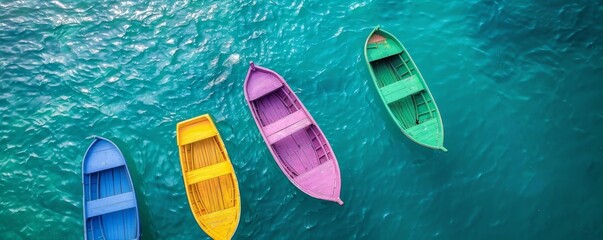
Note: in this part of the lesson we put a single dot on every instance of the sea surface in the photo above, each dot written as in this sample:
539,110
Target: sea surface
519,85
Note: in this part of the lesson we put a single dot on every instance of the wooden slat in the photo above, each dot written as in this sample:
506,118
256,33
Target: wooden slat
208,172
286,126
110,204
401,89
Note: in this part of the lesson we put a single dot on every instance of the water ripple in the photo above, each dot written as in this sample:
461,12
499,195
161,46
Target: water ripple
516,84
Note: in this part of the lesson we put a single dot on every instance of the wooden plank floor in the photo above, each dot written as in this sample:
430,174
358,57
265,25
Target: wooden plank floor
115,225
214,194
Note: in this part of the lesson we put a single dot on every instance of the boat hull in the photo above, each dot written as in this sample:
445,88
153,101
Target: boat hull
403,90
293,137
110,206
209,178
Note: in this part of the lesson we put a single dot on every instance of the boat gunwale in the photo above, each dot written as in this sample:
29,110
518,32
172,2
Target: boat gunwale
371,71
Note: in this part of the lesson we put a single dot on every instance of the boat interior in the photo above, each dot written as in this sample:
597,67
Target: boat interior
293,137
111,203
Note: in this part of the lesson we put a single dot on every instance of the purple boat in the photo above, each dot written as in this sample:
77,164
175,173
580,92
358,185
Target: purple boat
296,142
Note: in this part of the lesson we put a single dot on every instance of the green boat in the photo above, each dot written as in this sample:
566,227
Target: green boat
403,89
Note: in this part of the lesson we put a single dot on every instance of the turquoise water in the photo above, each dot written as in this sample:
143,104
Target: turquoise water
518,85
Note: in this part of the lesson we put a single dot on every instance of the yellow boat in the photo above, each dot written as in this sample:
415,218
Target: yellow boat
211,184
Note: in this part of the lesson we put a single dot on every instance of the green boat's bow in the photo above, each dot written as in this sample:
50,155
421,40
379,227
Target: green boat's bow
403,89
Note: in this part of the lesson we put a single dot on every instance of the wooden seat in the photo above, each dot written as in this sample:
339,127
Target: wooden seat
110,204
221,221
103,160
319,179
208,172
286,126
196,130
262,87
401,89
382,49
425,132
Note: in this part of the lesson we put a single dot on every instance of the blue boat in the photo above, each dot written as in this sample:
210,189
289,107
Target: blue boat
110,208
